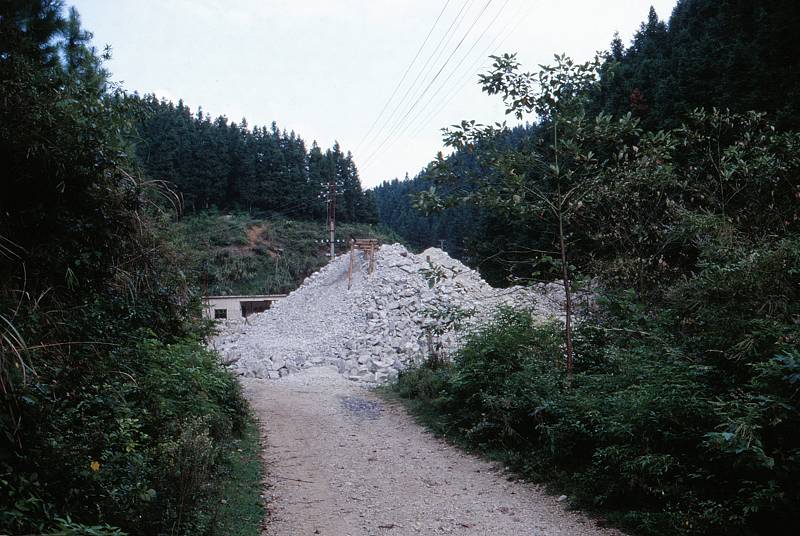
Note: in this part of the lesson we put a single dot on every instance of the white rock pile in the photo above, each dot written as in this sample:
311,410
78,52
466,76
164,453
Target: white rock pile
380,325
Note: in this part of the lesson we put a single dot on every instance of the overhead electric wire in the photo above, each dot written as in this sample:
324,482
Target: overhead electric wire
473,69
421,111
402,101
439,72
401,122
403,78
469,73
445,48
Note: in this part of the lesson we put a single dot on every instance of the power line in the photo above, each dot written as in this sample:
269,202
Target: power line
402,101
439,72
471,70
474,67
400,123
402,79
441,53
421,111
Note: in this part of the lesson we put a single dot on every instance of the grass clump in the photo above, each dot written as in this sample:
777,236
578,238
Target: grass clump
239,510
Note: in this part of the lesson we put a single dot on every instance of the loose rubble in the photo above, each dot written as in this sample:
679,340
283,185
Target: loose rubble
383,323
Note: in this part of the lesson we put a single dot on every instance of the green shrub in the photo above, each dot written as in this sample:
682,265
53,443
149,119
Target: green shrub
423,382
112,413
135,443
644,433
503,377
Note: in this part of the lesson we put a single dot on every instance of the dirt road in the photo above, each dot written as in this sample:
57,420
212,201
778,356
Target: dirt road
341,461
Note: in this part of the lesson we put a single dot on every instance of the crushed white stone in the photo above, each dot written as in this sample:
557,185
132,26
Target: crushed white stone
377,327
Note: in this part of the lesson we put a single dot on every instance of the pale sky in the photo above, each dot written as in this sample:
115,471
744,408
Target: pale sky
325,69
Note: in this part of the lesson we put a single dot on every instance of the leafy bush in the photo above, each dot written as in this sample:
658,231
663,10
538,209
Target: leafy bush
423,382
502,376
644,433
137,441
682,417
113,414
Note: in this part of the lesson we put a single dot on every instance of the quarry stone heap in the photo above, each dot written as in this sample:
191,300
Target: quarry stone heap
396,316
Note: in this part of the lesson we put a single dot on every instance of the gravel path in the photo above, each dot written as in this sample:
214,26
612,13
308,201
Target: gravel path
340,461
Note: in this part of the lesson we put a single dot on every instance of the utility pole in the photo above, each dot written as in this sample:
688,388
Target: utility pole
332,214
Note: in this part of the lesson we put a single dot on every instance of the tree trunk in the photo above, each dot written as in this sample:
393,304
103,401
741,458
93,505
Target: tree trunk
567,298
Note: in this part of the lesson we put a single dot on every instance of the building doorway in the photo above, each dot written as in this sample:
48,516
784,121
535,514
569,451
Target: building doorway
256,306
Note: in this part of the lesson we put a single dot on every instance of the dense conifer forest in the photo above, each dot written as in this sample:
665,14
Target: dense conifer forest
732,54
214,163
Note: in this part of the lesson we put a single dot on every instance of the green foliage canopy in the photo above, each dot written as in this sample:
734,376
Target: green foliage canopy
112,413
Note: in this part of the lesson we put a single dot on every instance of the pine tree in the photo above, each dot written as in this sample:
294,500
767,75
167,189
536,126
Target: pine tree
215,163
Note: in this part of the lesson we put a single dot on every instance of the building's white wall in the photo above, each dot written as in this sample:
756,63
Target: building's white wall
232,305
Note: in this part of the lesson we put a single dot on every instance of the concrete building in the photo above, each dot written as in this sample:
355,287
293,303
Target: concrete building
237,307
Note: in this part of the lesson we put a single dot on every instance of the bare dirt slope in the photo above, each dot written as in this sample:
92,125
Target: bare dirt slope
341,461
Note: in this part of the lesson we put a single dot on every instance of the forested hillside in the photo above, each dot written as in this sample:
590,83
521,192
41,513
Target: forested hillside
451,229
731,54
214,163
237,253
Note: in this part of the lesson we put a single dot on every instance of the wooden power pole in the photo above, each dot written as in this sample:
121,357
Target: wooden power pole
332,215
